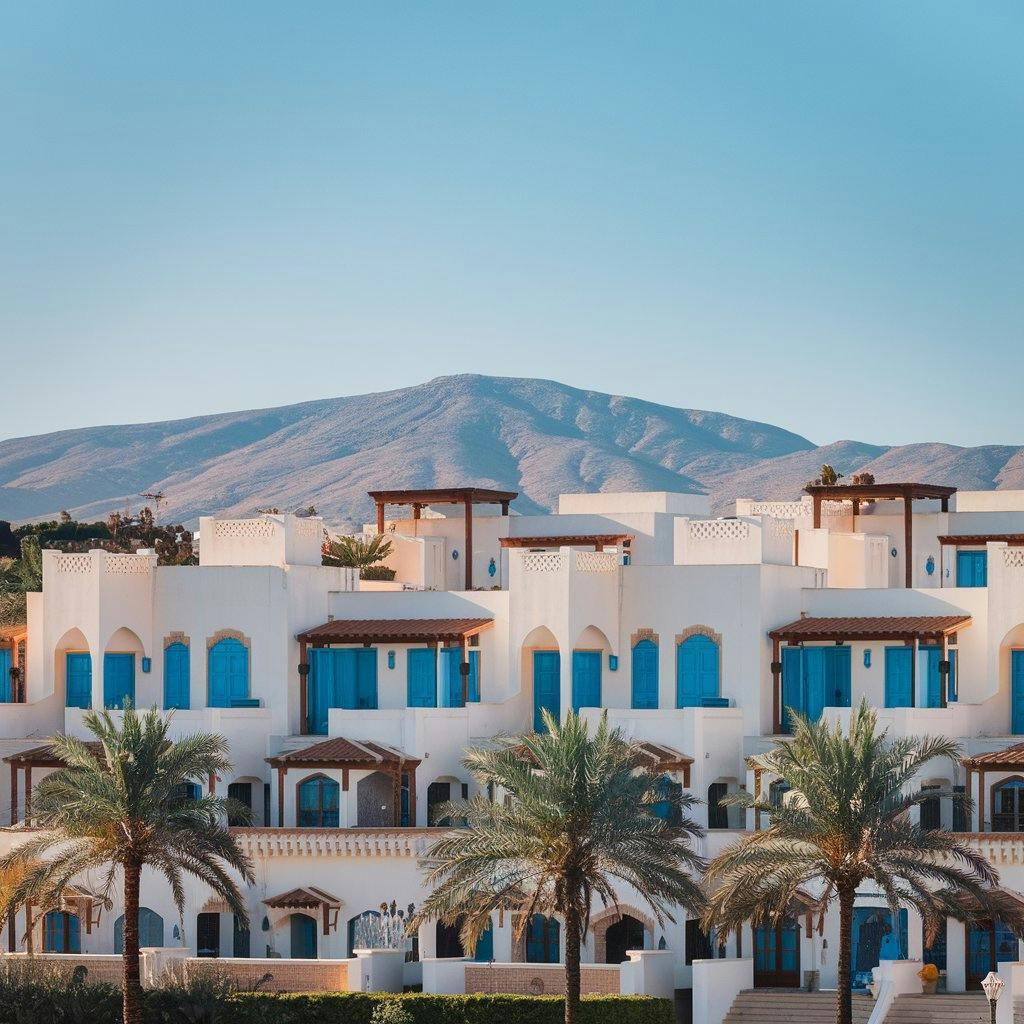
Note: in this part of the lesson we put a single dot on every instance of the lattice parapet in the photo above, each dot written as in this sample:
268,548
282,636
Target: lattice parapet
127,565
308,529
596,561
719,529
780,509
1013,558
779,529
74,564
244,529
543,561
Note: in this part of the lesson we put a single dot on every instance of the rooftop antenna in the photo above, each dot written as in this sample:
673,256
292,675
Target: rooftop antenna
156,497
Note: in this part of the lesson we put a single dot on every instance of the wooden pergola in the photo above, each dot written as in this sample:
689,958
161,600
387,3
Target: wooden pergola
598,541
348,756
911,630
36,757
467,497
907,493
1011,759
309,897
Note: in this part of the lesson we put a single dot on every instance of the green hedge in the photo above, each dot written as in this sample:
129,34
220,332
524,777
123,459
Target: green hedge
357,1008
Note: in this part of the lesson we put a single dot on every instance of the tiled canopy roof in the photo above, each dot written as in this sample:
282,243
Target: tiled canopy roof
304,897
850,492
45,756
397,631
1011,758
339,752
871,627
660,757
1013,539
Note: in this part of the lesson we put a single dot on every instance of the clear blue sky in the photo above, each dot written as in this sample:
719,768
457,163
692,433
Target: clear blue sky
805,213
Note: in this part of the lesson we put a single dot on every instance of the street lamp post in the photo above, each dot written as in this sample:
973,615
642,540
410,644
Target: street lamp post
992,986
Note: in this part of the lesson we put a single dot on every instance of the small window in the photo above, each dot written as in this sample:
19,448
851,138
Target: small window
718,813
319,799
931,810
240,792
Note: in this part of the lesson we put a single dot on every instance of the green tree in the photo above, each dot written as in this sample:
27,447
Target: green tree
583,815
17,578
847,822
124,808
357,552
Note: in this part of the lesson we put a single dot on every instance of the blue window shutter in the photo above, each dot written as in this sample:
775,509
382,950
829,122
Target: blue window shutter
320,687
78,680
586,679
118,679
422,678
645,675
697,671
485,946
899,663
451,678
972,568
345,679
1017,691
793,690
176,677
547,686
5,676
837,677
474,680
227,673
366,678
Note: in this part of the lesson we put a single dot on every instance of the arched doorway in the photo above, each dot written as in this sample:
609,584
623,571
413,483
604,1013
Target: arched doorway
449,943
989,944
542,940
625,934
62,932
303,936
151,930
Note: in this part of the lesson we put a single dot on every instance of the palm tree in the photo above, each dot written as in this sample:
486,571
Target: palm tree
583,814
357,552
17,577
846,822
122,808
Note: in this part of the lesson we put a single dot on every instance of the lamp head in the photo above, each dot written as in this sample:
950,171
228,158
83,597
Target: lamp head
992,986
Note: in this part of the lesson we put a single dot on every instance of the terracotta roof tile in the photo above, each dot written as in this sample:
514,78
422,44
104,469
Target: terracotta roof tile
409,631
870,627
1008,757
341,751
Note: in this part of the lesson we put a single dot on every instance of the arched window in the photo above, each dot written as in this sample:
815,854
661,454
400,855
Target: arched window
303,937
542,940
177,677
438,794
186,791
227,673
697,671
645,674
718,813
318,803
62,932
362,930
1008,806
151,930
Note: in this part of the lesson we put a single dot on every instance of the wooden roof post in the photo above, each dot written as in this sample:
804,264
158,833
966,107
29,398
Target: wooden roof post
908,539
28,794
981,800
468,506
816,499
280,795
380,517
504,508
14,794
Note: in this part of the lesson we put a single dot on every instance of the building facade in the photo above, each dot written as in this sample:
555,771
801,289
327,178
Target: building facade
348,703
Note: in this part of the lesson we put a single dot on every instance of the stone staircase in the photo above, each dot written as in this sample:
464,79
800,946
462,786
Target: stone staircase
793,1006
949,1008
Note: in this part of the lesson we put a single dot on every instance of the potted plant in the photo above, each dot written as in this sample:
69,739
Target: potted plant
929,975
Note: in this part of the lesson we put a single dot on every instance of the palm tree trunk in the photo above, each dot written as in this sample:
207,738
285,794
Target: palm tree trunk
572,966
132,985
844,1003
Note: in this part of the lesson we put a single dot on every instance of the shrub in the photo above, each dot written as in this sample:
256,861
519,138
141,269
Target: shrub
376,572
35,993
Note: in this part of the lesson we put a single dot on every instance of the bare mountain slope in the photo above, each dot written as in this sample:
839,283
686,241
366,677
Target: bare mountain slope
538,437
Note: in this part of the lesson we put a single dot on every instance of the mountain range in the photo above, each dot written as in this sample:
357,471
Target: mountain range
538,437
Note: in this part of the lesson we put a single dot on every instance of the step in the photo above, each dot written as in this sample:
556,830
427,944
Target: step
792,1006
946,1008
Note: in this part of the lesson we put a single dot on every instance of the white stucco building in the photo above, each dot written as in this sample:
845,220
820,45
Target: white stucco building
347,704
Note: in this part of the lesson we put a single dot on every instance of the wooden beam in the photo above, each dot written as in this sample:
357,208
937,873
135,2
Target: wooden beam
908,540
504,508
816,521
981,801
28,794
468,506
380,517
417,508
14,795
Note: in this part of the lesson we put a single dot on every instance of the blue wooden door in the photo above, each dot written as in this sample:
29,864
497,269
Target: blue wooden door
118,679
697,667
933,677
78,680
542,940
877,936
61,933
320,689
899,683
366,678
451,677
586,679
228,673
645,674
422,678
793,696
547,686
972,568
303,929
176,677
485,946
6,690
1017,691
474,677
